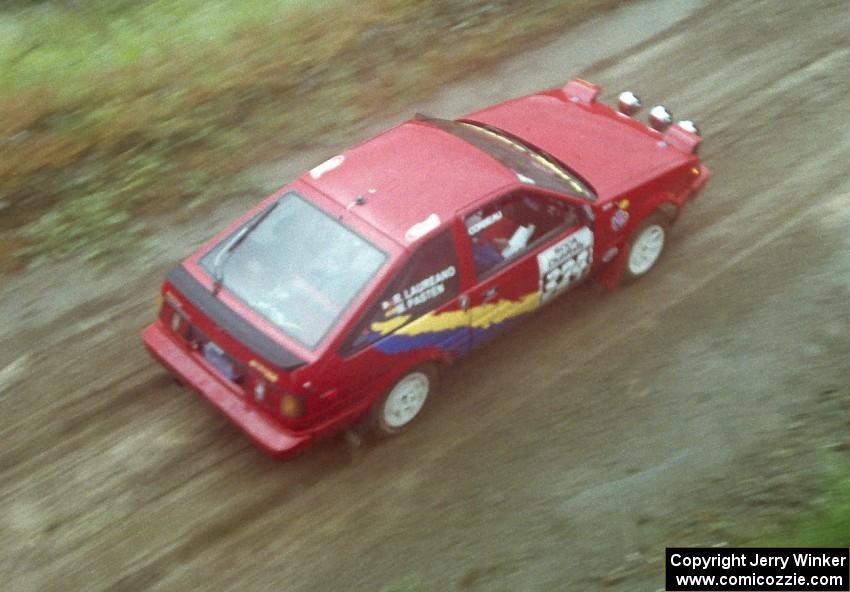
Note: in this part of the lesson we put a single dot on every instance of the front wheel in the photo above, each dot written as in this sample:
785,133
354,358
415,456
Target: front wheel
645,246
402,403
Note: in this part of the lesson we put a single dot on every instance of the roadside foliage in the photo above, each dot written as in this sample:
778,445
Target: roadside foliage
113,111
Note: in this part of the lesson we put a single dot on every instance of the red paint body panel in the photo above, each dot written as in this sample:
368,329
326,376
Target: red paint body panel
194,372
614,153
406,175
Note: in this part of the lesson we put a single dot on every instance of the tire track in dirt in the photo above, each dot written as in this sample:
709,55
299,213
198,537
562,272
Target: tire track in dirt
794,214
149,489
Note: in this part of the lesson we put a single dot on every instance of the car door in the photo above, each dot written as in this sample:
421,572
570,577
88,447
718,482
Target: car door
525,248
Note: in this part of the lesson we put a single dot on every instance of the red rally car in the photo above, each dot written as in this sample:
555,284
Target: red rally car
337,299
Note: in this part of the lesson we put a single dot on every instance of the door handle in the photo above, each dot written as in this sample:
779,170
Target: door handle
490,294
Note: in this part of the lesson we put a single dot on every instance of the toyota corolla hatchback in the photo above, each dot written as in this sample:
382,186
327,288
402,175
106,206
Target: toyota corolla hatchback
339,298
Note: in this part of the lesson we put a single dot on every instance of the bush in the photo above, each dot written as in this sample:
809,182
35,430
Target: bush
145,106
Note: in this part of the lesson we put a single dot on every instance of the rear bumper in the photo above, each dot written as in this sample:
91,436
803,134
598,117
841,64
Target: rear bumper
188,367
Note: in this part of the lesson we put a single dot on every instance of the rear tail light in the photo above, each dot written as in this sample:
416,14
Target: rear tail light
164,311
291,407
176,321
269,396
172,316
256,380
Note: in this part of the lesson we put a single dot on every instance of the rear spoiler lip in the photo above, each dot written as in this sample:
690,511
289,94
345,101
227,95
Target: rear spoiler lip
231,322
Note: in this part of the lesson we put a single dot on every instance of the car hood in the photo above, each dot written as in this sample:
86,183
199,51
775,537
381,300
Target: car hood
613,152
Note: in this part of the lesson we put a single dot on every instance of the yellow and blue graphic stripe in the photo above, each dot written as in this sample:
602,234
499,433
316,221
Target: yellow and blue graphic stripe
454,330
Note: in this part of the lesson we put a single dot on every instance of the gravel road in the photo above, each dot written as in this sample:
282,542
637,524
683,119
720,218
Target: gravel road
698,405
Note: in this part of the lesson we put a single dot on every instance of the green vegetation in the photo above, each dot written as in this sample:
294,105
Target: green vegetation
112,111
829,527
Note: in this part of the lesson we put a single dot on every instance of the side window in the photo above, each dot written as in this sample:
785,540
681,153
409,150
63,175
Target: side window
508,226
427,281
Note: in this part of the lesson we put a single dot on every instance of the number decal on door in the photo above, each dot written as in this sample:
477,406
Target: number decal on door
565,263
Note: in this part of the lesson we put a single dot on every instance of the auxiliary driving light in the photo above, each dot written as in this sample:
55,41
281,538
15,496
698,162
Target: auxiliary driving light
628,103
660,118
688,126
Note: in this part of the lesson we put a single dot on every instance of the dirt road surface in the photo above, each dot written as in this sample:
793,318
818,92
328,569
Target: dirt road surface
694,407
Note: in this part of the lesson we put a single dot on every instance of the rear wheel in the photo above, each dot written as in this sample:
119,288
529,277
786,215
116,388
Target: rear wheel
402,403
646,244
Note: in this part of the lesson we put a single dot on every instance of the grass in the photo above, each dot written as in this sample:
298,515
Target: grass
114,111
829,527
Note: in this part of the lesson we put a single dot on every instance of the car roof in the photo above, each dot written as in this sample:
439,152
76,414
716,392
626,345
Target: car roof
413,176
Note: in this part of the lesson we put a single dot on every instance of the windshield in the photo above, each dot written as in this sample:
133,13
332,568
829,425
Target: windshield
298,267
530,165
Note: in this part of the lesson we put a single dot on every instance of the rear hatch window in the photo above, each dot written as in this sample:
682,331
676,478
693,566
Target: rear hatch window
296,266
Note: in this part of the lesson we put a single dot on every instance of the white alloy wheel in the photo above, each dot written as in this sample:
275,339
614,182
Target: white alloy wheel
646,249
404,402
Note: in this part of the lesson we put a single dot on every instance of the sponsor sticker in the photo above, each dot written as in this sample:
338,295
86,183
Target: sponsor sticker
420,229
317,171
419,293
485,222
565,263
619,219
267,372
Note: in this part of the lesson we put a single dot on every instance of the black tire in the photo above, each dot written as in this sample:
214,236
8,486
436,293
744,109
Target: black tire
397,408
646,246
